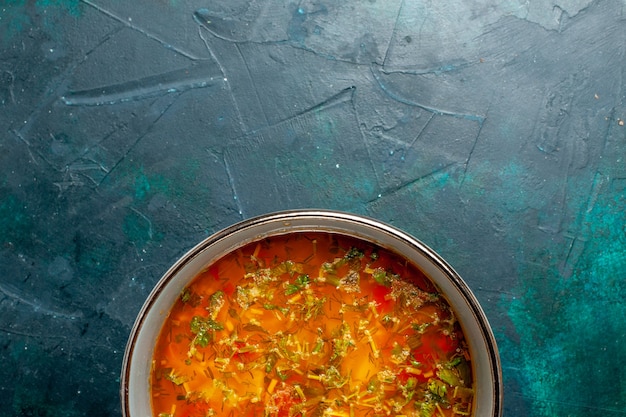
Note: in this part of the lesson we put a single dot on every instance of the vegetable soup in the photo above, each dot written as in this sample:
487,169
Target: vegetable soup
312,325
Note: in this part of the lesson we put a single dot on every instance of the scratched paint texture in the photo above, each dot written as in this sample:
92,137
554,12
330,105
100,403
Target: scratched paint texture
492,131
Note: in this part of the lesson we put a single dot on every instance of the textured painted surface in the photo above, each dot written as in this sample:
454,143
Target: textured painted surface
492,131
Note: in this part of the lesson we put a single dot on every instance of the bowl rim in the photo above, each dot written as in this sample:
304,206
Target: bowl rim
287,217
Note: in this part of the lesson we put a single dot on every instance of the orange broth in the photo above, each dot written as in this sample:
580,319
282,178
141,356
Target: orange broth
311,324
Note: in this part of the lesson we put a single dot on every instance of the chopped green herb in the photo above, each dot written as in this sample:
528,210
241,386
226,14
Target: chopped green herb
408,390
187,296
269,306
216,300
373,385
312,306
342,342
332,378
270,362
203,329
198,324
437,388
449,377
465,371
319,346
387,321
286,267
454,362
421,327
175,378
282,375
426,408
354,253
382,277
299,284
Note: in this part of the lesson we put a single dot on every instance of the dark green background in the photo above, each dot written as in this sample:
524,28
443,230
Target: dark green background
492,131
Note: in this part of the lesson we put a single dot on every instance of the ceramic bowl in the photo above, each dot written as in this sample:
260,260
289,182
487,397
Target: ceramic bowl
135,385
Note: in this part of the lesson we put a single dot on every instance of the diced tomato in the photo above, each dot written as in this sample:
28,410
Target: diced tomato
436,347
447,344
441,344
403,376
214,272
380,294
284,399
228,288
192,409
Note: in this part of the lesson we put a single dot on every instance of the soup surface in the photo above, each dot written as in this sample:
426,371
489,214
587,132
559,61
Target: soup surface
311,324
